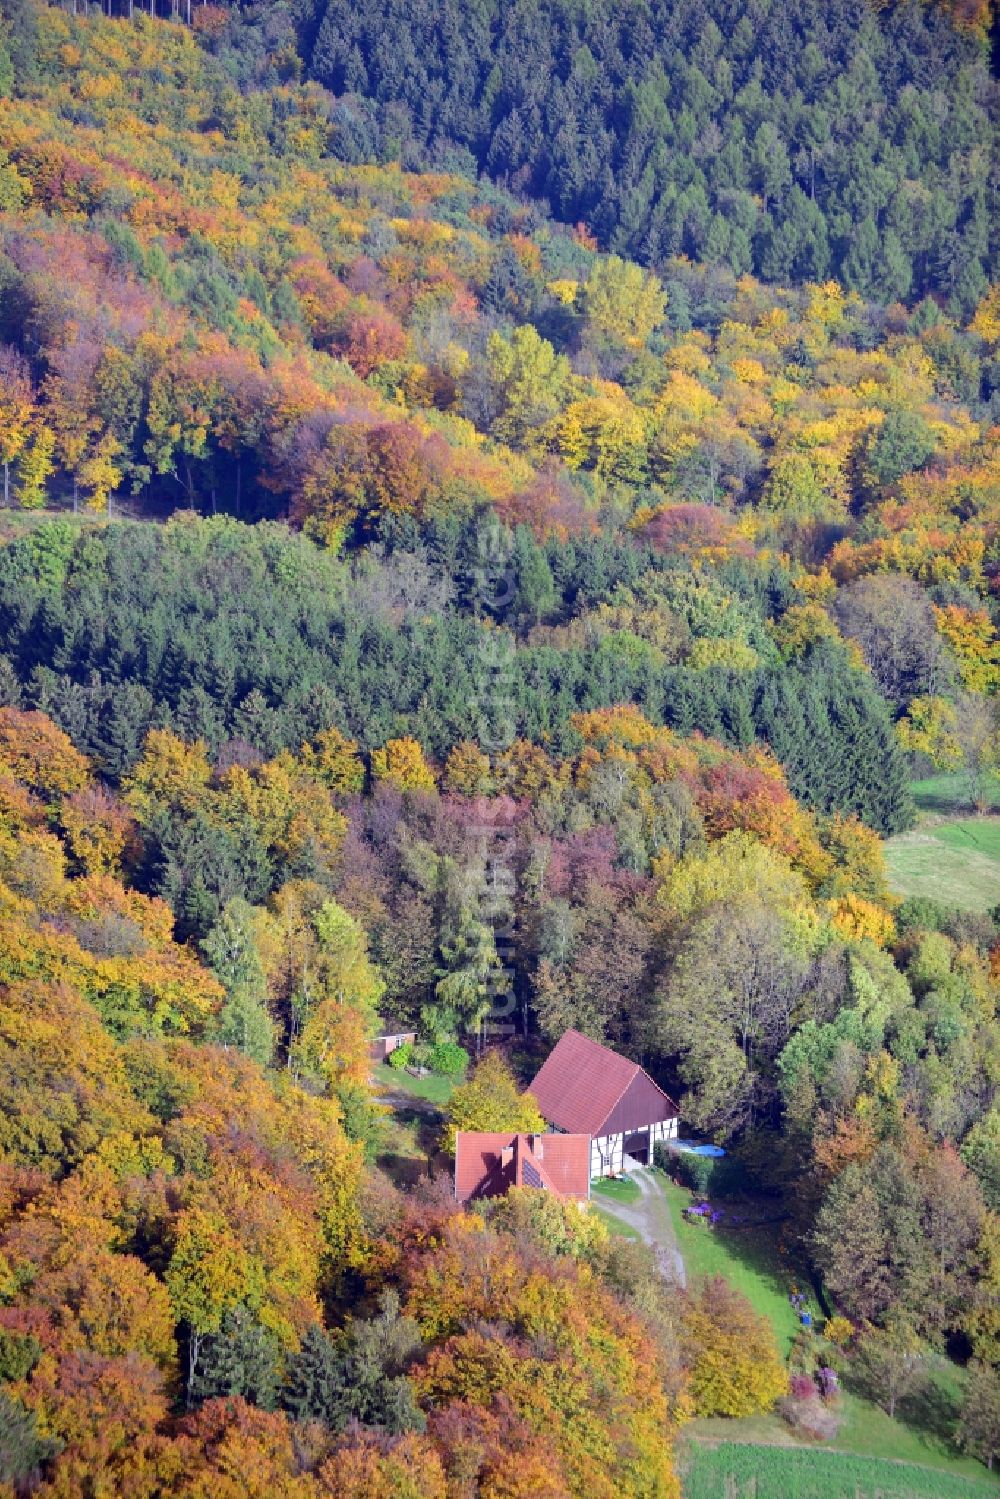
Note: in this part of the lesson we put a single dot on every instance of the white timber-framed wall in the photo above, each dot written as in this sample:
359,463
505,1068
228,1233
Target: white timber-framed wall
607,1152
585,1088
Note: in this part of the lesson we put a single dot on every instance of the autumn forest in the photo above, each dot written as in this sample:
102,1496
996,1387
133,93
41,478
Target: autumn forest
499,528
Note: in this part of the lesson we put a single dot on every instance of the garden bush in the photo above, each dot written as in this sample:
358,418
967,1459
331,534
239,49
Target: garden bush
402,1056
838,1330
810,1416
448,1058
705,1175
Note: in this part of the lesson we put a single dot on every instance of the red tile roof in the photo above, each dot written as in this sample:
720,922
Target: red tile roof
565,1162
488,1165
581,1082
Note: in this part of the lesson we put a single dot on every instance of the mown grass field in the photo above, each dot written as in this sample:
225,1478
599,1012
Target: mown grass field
738,1471
920,1437
956,863
953,855
433,1088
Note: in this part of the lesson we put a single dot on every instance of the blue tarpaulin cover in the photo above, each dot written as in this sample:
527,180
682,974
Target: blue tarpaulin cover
695,1148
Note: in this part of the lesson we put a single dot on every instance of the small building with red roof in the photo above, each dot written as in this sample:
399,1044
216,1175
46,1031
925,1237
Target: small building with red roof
488,1165
390,1034
584,1088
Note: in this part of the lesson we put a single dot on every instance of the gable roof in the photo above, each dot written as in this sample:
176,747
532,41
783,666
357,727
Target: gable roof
581,1082
488,1165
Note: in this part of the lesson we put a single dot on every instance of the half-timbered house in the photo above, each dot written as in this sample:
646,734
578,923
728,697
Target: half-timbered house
586,1088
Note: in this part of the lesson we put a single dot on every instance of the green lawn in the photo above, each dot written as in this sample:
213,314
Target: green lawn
951,794
738,1471
434,1088
623,1191
954,861
615,1225
616,1191
745,1253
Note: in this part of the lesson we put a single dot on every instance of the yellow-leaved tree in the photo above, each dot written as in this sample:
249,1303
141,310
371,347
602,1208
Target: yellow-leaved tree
401,763
491,1100
623,302
333,1041
16,406
735,1367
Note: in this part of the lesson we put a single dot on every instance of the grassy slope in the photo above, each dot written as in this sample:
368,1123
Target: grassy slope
747,1255
952,856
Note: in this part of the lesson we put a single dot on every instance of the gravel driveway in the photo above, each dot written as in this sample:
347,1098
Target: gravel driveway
651,1220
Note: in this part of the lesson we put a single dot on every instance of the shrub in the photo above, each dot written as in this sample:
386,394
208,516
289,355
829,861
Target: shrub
448,1058
802,1354
695,1171
809,1416
735,1368
402,1056
839,1331
704,1175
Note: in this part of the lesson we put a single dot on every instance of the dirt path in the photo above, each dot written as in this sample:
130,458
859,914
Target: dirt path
401,1103
651,1220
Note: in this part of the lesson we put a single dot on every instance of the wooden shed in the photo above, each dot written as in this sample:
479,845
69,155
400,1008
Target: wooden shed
586,1088
390,1035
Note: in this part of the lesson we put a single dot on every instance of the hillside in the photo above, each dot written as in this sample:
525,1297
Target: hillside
796,141
413,610
251,326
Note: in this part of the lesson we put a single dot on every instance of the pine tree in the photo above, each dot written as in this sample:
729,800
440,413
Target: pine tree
22,1449
317,1383
231,949
242,1358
